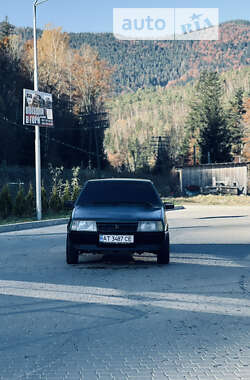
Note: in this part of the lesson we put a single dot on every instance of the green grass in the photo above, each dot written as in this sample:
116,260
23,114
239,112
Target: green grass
224,200
47,216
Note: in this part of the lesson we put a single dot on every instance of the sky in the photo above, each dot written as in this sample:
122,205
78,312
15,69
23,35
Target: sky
97,15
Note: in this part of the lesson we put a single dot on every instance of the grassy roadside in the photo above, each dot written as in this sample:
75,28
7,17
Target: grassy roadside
223,200
50,215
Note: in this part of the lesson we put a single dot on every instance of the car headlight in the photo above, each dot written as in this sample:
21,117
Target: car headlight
83,225
150,226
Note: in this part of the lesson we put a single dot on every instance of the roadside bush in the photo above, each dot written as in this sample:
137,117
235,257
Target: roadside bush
55,203
56,178
30,202
45,203
20,204
5,202
66,193
75,182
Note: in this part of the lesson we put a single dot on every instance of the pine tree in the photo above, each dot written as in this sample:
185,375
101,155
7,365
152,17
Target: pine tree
5,202
6,29
163,161
207,120
235,120
20,204
30,201
45,203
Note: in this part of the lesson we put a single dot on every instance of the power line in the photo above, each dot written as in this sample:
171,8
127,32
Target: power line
28,129
70,146
80,128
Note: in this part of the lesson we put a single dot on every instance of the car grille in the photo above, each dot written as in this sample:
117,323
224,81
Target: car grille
117,227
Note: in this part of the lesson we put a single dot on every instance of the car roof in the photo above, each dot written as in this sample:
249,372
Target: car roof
119,179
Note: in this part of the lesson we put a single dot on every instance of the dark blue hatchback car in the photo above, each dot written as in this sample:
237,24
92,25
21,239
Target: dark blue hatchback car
115,216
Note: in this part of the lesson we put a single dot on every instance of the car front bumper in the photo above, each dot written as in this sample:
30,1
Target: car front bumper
88,242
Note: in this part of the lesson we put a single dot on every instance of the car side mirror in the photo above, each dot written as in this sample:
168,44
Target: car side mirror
69,205
168,206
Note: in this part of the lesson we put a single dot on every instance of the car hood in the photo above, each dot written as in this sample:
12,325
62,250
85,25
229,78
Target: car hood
117,212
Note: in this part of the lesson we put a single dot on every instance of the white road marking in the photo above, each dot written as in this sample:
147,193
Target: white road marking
177,301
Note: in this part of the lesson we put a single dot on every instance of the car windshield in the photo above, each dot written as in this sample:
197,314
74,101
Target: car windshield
119,192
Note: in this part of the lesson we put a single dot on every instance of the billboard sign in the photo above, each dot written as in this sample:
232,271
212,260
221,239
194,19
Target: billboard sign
37,108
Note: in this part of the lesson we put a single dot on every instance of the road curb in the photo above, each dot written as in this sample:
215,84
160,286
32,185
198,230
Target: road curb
30,225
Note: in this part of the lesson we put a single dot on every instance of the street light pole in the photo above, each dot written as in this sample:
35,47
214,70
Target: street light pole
37,129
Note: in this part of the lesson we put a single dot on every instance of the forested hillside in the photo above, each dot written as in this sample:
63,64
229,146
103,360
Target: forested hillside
137,121
142,90
141,64
79,82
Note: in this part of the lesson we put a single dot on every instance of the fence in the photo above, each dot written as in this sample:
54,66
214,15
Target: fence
166,184
229,174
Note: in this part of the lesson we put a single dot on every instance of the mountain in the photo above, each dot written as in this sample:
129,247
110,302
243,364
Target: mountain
149,105
141,64
138,119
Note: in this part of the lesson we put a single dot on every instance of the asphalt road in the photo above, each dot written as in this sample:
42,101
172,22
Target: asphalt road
129,319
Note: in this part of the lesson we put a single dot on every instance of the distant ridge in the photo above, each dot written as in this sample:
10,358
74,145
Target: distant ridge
142,64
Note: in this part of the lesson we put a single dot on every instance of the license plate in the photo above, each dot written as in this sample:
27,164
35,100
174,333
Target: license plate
116,239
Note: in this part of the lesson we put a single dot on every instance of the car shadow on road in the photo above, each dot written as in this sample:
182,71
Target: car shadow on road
113,262
188,253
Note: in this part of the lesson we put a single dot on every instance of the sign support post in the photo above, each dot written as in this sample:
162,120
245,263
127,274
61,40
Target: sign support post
37,129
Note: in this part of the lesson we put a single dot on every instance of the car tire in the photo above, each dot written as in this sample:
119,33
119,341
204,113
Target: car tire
71,254
164,253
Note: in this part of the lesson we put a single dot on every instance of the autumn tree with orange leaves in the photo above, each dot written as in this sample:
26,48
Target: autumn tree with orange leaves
90,80
52,50
80,82
80,75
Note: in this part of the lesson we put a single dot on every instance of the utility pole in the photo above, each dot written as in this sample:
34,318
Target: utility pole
96,122
37,128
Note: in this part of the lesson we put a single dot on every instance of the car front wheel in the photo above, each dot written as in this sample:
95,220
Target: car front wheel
71,253
163,254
